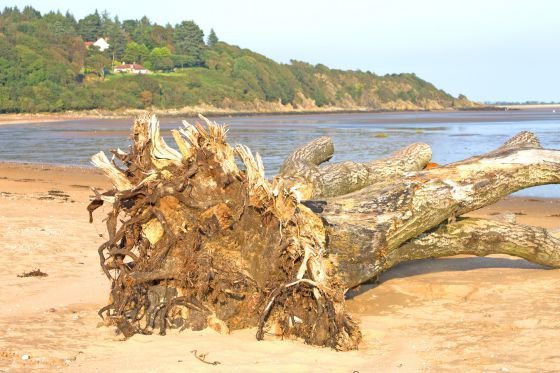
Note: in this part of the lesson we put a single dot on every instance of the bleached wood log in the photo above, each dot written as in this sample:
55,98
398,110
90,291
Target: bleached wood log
481,237
364,227
303,166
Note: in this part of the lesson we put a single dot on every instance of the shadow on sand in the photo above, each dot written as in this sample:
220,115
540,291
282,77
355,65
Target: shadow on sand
453,264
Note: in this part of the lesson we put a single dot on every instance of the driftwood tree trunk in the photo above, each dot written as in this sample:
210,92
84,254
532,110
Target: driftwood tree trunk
199,237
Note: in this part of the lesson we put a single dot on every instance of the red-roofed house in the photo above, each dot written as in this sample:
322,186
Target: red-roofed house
132,68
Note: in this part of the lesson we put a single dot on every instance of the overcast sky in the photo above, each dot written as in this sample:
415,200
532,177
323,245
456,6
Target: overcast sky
485,49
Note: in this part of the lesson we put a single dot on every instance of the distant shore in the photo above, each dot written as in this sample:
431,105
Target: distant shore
478,113
529,106
208,111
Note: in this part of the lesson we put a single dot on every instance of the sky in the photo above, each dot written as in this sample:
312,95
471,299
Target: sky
488,50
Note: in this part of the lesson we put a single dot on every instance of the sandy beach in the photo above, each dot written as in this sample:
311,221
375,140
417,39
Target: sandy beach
494,314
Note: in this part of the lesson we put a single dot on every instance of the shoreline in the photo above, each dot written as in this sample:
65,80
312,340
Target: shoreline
208,112
528,106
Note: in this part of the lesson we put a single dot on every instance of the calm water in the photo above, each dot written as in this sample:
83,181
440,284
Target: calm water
453,136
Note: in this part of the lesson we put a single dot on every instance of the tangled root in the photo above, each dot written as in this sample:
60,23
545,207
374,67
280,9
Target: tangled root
197,241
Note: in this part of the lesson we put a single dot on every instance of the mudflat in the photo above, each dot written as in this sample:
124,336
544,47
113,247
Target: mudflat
39,118
489,114
462,313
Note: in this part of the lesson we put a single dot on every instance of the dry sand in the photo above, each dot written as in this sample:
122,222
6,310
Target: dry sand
454,314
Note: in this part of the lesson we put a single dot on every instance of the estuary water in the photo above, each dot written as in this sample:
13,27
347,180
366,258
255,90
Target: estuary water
452,135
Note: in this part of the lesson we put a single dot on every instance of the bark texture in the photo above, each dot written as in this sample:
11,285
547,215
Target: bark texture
303,167
198,237
481,237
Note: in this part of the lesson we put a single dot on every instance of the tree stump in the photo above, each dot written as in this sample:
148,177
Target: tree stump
199,237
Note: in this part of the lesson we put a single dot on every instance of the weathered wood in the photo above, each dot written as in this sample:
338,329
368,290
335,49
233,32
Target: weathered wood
480,237
365,226
204,242
303,166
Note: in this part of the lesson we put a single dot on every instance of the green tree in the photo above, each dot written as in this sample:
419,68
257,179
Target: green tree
135,53
59,26
117,41
161,36
70,19
182,61
212,39
142,31
129,25
90,27
30,12
96,62
160,59
189,41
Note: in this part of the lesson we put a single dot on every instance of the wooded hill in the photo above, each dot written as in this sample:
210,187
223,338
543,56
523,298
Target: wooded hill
47,66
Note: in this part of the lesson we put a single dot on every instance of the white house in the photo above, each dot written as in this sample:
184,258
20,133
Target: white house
101,44
132,68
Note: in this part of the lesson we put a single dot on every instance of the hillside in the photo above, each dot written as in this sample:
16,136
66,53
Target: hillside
47,66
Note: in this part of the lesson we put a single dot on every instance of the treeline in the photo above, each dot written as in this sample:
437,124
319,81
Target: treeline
45,66
140,41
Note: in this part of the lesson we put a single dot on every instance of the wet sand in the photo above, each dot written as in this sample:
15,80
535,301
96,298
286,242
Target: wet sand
462,313
43,117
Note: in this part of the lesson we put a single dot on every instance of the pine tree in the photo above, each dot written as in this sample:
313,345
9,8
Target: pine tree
117,41
70,19
90,27
31,12
189,42
212,39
